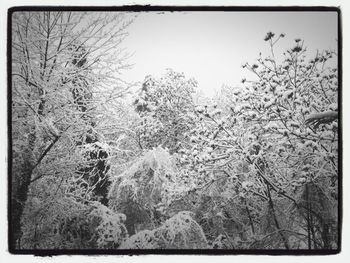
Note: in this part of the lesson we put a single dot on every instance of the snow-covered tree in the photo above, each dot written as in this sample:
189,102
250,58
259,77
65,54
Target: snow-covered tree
165,106
144,191
65,65
259,150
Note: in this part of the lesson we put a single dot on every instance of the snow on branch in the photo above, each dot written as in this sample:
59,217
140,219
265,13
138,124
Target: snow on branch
315,119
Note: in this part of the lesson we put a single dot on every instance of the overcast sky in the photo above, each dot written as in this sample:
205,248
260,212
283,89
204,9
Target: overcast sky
212,46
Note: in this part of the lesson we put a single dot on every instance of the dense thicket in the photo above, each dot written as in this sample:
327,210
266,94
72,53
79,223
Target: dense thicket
255,167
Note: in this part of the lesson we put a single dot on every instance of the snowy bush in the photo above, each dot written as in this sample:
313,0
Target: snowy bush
142,188
178,232
68,224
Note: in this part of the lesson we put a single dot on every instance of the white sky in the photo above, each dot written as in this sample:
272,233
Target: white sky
212,46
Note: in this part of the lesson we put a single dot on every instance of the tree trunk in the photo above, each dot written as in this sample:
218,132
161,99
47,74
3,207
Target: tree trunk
21,180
